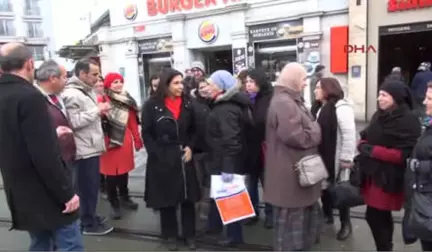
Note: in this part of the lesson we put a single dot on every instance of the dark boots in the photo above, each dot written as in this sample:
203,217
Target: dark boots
346,227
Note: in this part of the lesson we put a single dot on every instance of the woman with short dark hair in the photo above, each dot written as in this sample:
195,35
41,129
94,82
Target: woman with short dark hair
171,182
337,148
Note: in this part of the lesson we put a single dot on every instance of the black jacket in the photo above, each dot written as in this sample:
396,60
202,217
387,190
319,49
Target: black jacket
259,116
36,181
169,181
227,127
202,110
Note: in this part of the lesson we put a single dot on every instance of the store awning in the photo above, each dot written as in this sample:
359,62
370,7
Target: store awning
77,52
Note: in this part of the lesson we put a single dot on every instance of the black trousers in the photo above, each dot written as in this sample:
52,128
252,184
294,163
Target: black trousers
381,225
426,245
117,185
344,212
168,221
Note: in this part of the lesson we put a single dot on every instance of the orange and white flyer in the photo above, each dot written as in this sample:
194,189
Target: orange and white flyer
232,199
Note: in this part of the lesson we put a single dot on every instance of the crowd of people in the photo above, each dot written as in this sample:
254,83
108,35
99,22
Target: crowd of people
64,140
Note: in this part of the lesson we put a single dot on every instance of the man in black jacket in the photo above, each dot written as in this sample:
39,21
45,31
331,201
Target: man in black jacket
37,184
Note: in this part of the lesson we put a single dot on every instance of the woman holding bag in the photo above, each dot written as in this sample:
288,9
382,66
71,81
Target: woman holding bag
122,136
338,144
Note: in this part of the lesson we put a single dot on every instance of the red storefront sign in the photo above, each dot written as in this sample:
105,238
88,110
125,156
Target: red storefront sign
155,7
404,5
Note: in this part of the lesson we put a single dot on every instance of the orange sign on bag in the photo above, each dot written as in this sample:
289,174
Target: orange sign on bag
236,207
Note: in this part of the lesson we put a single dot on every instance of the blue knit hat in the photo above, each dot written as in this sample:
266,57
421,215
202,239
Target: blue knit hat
223,79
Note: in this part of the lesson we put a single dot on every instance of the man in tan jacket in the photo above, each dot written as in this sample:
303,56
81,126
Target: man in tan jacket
85,118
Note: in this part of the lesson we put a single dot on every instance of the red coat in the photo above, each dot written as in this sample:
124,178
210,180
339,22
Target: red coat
120,160
373,195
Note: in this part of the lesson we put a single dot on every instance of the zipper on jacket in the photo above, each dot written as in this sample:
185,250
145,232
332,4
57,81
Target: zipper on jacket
181,151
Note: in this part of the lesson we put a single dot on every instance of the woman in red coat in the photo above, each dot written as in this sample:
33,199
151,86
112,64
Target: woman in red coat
386,144
120,126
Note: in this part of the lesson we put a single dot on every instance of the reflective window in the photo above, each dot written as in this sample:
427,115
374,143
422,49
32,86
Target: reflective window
32,8
34,30
7,27
5,6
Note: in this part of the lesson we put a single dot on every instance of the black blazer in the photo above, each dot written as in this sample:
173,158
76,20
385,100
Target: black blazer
36,182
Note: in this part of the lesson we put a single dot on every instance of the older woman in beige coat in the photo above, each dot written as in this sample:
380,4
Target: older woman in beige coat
291,134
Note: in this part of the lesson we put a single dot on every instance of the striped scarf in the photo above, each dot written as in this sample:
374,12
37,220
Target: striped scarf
118,116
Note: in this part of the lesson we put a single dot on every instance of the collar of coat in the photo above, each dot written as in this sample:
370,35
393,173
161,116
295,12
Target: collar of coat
75,82
297,96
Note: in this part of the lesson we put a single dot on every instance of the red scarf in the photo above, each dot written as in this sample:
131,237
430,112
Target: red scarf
174,105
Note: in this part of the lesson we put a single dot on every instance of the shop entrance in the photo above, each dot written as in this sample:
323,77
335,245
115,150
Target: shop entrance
405,50
218,59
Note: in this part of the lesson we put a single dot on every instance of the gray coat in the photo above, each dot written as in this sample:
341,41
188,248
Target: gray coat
291,134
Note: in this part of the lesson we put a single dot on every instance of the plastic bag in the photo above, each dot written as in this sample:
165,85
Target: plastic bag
408,236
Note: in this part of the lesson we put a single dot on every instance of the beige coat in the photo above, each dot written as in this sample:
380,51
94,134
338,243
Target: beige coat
81,105
291,134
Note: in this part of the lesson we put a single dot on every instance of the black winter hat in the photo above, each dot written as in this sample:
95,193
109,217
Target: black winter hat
399,91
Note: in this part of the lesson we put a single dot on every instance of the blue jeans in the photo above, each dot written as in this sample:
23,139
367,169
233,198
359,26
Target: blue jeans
87,184
234,231
254,195
66,238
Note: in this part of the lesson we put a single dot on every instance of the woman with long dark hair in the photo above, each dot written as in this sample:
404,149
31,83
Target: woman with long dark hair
385,145
260,92
171,182
338,144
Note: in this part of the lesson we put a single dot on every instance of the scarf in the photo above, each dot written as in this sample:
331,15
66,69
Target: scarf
252,97
395,130
118,116
174,106
327,120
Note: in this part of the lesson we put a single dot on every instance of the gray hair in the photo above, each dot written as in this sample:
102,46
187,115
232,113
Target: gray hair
48,69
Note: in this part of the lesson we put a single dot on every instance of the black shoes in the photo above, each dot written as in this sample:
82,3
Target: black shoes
251,221
171,244
116,213
191,243
345,231
129,204
268,223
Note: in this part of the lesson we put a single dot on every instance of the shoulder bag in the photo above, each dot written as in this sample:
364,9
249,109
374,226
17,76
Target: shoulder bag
310,169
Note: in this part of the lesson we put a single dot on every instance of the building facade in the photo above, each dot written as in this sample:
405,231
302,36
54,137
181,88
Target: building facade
144,37
29,22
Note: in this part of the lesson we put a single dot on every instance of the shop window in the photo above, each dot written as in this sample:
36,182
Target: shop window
34,30
7,27
272,57
5,6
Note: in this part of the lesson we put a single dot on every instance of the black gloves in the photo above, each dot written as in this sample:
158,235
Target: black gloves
365,149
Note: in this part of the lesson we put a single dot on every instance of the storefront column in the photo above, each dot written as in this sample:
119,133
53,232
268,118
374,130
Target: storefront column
239,49
311,26
182,56
357,68
104,59
131,76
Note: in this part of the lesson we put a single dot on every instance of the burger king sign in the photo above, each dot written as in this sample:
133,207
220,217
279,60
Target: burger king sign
130,11
208,31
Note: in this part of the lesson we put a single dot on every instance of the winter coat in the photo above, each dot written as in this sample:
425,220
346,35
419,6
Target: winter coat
81,105
346,141
202,110
60,118
291,135
120,160
419,84
36,181
227,128
257,136
169,181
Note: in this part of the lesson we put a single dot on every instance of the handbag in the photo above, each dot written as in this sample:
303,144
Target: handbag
343,193
311,170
